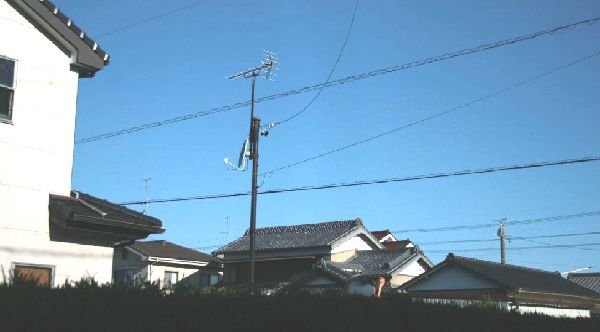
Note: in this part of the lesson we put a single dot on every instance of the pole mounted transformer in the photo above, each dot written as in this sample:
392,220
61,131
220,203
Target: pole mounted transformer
265,69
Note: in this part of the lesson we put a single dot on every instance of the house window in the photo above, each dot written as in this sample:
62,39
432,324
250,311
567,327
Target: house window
7,88
40,274
170,279
123,253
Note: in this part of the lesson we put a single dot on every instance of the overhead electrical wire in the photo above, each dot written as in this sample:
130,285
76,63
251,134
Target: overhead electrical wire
465,241
509,238
547,243
431,117
554,246
337,61
377,181
149,19
496,224
340,81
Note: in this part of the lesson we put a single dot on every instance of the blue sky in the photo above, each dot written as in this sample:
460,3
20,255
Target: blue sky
177,65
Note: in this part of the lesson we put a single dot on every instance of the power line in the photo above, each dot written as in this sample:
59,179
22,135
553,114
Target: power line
547,243
150,19
495,224
379,181
337,61
510,238
468,240
553,246
340,81
434,116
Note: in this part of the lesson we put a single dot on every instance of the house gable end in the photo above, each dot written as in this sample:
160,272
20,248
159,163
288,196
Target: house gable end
451,277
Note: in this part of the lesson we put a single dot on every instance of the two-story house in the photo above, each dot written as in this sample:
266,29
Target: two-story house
341,255
284,251
47,231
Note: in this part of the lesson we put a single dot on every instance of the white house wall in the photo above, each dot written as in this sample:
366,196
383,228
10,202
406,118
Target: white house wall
555,312
407,272
452,277
354,243
36,153
412,269
156,272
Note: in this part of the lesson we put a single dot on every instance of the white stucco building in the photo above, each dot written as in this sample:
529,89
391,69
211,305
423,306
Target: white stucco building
47,231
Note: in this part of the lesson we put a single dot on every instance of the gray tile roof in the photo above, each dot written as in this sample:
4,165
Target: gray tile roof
296,236
519,277
167,249
383,261
371,262
587,280
81,204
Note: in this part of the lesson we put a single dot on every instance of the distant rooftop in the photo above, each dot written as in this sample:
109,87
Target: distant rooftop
295,236
519,277
166,249
587,280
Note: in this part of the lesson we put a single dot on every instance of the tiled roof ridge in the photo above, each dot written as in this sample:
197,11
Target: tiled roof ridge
584,274
524,268
75,29
306,227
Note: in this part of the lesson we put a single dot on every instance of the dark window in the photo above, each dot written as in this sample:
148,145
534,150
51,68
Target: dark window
123,277
7,87
123,253
41,275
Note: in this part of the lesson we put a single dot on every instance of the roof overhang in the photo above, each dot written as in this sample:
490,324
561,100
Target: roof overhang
86,56
277,254
66,225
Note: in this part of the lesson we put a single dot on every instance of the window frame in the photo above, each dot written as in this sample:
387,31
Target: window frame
171,283
52,268
8,119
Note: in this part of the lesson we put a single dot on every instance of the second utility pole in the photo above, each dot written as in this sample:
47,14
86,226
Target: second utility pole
502,234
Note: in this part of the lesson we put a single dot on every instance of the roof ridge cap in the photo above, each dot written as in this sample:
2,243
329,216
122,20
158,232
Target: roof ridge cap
507,265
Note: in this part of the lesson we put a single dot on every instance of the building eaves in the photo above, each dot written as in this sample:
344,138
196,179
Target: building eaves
169,250
88,57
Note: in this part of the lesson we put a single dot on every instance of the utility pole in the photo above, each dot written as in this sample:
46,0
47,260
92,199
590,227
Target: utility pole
254,134
267,65
502,234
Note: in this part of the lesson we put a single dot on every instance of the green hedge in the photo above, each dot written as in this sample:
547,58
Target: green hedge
91,307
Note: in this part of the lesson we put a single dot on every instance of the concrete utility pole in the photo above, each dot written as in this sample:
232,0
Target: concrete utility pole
502,234
254,134
268,65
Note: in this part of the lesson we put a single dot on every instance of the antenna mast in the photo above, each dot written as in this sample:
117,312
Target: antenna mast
146,180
